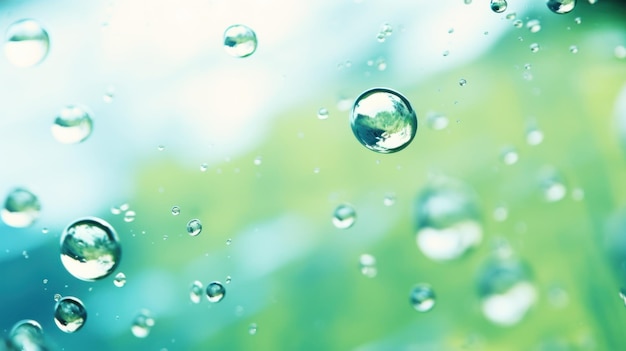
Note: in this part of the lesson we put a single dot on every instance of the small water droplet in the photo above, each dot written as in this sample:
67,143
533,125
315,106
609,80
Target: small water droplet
498,6
381,64
215,291
26,43
518,23
446,53
367,265
462,82
108,95
196,291
451,30
161,147
240,41
26,335
620,52
561,6
573,49
509,155
622,295
228,242
44,230
422,297
72,125
383,120
533,25
175,211
57,297
593,1
511,16
228,279
437,121
252,329
90,249
500,213
553,186
142,324
322,113
534,47
578,20
389,199
204,167
25,254
344,216
21,208
194,227
70,314
45,281
380,37
129,216
120,280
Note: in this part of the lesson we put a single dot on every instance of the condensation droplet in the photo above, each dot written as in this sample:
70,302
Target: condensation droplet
57,297
26,43
72,125
511,16
367,265
109,94
142,324
240,41
552,185
252,329
195,291
26,335
204,167
620,52
561,6
194,227
119,280
21,208
422,297
90,249
381,64
622,295
533,25
437,121
509,155
534,136
498,6
383,120
228,279
228,242
500,213
44,230
389,199
534,47
215,291
161,147
518,23
573,49
175,211
70,314
322,113
578,20
462,82
344,216
129,216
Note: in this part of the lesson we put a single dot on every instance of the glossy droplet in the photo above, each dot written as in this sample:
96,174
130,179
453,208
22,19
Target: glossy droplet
228,279
518,23
26,43
573,49
498,6
511,16
195,291
252,329
21,208
383,120
215,291
109,94
194,227
561,6
322,113
500,213
26,335
72,125
344,216
120,280
534,136
390,199
509,155
447,220
142,324
620,52
70,314
534,47
204,167
506,292
437,121
578,20
240,41
367,265
422,298
258,160
175,211
90,249
533,25
593,1
129,216
622,295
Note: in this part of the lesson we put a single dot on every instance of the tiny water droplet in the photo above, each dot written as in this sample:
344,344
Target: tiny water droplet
161,147
215,291
196,291
380,37
446,53
204,167
120,280
26,335
511,16
57,297
422,297
322,113
518,23
194,227
367,265
462,82
228,279
622,295
500,213
381,64
498,6
620,52
561,6
142,324
228,242
240,41
451,30
175,211
90,249
25,254
21,208
344,216
509,155
534,136
252,329
553,186
129,216
70,314
44,230
45,281
533,25
383,120
72,125
573,49
534,47
437,121
26,43
593,1
389,199
108,95
578,20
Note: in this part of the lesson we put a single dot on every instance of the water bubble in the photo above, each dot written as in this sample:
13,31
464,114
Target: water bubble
380,37
322,113
228,279
462,82
498,6
258,160
386,29
142,324
194,227
21,208
561,6
228,242
44,230
509,155
552,186
518,23
422,297
500,213
175,211
573,49
533,25
195,291
534,136
534,47
72,125
620,52
578,20
367,265
70,314
90,249
57,297
204,167
108,95
239,41
344,216
593,1
120,280
505,291
129,216
437,121
447,220
446,53
215,291
161,147
622,295
252,329
467,2
26,335
383,120
381,64
26,43
511,16
390,199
